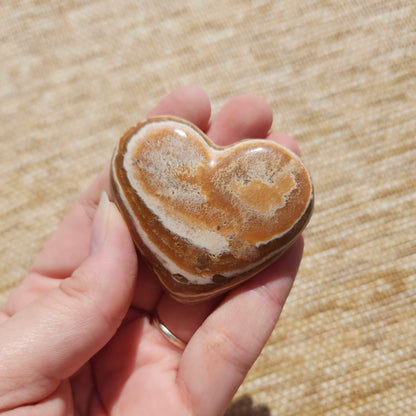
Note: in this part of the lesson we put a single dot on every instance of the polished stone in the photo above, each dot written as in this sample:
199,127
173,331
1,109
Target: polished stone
206,218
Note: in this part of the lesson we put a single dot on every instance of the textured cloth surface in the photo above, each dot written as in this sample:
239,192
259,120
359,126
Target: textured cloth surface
341,78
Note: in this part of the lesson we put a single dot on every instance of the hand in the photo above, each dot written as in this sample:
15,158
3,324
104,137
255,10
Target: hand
76,337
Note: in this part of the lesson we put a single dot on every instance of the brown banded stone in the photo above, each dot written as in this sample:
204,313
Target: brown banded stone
213,216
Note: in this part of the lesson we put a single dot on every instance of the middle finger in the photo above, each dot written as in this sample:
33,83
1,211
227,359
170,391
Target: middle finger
242,117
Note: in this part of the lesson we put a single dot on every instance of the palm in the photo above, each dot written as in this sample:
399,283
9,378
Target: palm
108,383
134,357
134,369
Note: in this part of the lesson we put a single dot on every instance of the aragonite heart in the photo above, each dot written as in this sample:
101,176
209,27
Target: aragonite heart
206,217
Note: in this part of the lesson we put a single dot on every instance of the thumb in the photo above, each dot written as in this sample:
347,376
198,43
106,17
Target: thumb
52,338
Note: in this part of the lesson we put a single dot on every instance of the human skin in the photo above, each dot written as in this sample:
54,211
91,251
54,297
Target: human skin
76,337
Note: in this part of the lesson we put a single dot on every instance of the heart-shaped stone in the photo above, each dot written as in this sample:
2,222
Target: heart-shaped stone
206,217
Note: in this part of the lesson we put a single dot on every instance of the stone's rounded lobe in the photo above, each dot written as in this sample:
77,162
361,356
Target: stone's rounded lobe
206,218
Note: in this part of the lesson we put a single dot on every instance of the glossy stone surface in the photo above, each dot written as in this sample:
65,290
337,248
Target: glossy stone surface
206,218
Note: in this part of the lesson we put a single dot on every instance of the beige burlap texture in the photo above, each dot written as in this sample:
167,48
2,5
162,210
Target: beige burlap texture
341,78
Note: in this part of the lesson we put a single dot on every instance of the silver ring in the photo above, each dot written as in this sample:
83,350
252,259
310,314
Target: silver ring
167,334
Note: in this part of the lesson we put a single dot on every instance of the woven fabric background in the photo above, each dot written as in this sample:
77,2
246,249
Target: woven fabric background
341,78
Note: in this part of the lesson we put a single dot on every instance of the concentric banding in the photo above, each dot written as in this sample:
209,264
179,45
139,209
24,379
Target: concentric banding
215,211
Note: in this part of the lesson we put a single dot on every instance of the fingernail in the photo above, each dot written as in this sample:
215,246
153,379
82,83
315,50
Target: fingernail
99,225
